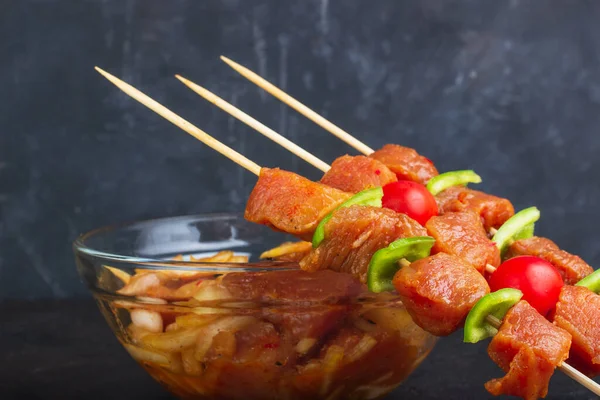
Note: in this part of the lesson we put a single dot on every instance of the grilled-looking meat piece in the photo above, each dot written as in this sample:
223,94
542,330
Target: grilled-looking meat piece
439,291
355,174
462,234
406,163
571,267
578,312
354,234
528,348
290,203
494,211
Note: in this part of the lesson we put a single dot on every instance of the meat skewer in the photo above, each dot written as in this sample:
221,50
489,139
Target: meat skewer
204,137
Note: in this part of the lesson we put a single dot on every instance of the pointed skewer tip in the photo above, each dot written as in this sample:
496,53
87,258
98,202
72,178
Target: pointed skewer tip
181,78
107,75
227,60
199,89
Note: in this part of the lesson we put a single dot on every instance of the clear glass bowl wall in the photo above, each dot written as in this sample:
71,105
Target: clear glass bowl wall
249,330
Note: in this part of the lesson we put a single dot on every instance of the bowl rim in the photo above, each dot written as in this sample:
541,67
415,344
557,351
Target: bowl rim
81,248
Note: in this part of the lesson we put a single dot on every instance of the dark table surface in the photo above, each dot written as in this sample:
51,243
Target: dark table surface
64,349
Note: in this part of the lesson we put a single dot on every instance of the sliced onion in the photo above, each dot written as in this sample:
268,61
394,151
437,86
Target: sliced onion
191,366
140,284
136,333
209,332
172,341
212,291
331,362
363,347
375,391
149,320
121,275
194,320
151,300
305,345
155,358
364,325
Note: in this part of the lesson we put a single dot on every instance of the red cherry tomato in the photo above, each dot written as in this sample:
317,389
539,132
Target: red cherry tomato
410,198
539,281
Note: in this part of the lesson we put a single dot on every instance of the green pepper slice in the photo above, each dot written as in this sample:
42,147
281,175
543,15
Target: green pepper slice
443,181
497,304
384,263
592,281
519,226
370,197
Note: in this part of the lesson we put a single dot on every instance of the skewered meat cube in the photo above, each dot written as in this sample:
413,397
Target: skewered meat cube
439,291
577,312
355,174
354,234
406,163
528,348
571,267
494,211
290,203
462,234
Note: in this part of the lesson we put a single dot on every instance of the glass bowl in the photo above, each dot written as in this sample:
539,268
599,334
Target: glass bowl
232,326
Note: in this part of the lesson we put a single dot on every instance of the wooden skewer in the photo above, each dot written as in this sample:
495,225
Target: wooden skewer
301,108
253,123
568,370
182,123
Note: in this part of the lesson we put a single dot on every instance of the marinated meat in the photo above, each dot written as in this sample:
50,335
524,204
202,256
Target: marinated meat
462,234
494,211
256,353
528,348
319,301
296,287
290,203
406,163
439,291
578,312
310,323
355,174
571,267
354,234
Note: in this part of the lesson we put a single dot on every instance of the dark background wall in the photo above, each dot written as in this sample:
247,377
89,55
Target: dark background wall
510,89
